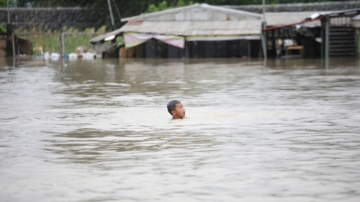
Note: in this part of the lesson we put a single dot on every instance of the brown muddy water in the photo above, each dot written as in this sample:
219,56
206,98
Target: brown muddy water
284,130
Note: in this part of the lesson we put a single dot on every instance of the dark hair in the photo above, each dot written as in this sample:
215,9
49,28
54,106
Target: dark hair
172,105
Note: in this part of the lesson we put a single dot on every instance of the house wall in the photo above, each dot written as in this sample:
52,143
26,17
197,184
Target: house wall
2,46
199,49
175,52
155,49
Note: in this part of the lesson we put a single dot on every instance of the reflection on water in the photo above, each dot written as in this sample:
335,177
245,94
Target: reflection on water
284,130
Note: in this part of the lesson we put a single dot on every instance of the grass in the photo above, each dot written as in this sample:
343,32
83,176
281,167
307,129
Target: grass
50,42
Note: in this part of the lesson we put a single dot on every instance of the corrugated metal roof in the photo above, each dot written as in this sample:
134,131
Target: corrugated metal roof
284,18
342,13
250,27
356,21
104,36
241,28
202,12
194,20
312,19
356,17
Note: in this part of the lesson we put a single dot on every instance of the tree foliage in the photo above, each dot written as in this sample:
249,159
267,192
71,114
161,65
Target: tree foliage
164,5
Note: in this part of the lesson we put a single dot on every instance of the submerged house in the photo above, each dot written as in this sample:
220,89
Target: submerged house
283,40
196,31
19,47
323,34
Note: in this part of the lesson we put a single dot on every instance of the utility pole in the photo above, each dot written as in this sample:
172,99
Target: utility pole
263,34
111,15
264,11
8,12
10,50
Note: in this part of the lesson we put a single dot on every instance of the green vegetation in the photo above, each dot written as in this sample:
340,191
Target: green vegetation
3,3
164,6
50,42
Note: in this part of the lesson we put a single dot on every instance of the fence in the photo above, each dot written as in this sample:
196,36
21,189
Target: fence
49,19
63,43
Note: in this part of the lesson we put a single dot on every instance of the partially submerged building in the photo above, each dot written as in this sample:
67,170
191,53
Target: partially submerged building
283,39
196,31
321,29
11,46
204,31
321,34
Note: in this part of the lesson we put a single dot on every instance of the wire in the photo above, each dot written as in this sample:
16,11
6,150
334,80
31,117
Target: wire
117,11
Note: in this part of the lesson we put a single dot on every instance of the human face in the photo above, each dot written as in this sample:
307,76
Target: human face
179,111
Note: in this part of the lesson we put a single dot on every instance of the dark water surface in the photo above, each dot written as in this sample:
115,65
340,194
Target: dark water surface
287,130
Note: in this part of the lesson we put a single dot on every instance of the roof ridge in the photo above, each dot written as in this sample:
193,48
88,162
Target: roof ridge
174,10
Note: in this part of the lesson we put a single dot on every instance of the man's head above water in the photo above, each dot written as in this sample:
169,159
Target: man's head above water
176,109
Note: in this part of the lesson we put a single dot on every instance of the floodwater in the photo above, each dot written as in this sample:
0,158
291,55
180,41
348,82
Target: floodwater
281,130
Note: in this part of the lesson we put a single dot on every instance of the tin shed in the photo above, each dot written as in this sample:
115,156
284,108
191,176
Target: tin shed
196,31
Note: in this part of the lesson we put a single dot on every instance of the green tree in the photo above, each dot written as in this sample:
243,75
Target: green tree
3,3
164,5
180,3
